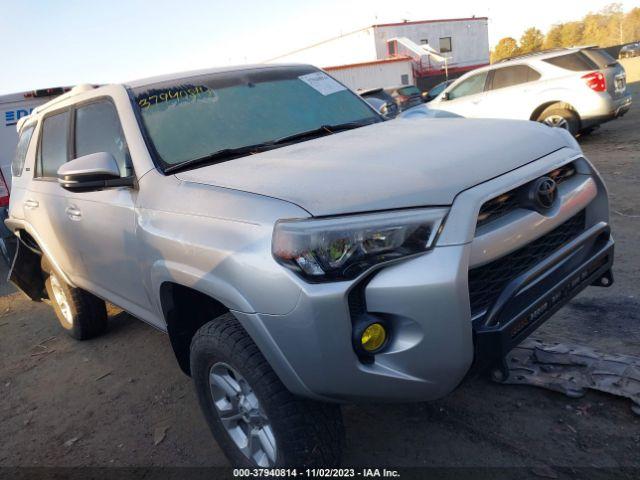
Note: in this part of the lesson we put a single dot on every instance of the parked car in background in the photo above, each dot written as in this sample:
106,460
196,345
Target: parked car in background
405,96
631,50
436,90
382,101
576,89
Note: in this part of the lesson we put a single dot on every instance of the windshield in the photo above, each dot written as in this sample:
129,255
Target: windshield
191,118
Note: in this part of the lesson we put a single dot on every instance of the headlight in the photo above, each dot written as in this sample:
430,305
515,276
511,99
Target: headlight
341,248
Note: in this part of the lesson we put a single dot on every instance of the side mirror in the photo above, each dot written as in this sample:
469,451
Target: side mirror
92,172
445,96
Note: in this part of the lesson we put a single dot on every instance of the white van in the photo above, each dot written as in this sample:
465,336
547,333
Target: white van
13,107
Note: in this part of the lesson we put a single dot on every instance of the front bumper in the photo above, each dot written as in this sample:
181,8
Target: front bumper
425,300
533,297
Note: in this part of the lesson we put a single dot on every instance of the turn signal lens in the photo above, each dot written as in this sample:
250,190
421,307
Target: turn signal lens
373,337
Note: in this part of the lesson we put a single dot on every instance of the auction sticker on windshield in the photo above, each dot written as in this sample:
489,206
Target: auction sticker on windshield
322,82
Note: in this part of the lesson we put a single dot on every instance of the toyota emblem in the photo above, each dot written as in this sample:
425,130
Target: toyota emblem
544,192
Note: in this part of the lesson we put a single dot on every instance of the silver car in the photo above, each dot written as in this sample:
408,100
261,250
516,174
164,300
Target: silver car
299,251
576,89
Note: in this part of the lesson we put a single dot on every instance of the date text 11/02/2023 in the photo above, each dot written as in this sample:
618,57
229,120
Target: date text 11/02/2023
316,472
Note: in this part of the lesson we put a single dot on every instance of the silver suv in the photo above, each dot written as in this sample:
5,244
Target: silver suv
299,251
576,89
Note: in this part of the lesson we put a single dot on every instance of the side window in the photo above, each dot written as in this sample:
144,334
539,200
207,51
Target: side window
515,75
98,130
53,146
21,150
470,86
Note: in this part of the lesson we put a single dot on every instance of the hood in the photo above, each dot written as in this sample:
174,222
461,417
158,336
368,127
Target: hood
396,164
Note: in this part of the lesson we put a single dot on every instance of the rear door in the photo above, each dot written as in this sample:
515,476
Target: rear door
45,202
509,92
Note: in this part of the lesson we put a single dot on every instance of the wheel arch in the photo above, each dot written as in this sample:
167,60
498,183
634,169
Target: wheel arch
560,103
185,310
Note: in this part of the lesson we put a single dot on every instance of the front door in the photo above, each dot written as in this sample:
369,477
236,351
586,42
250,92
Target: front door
103,222
464,99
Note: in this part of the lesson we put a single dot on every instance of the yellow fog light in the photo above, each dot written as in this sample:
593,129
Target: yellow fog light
373,337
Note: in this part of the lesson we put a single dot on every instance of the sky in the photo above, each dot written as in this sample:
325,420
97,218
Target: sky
50,43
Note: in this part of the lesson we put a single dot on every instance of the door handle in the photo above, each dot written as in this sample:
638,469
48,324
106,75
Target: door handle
31,204
73,213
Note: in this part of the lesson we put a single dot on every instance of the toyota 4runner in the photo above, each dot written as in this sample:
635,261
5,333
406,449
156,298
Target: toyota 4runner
299,251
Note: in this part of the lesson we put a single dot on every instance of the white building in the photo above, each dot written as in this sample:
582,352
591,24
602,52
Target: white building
463,41
365,75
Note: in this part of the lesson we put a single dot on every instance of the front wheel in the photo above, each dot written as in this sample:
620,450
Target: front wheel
560,117
256,421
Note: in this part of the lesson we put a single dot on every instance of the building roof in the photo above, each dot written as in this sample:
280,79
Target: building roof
417,22
373,62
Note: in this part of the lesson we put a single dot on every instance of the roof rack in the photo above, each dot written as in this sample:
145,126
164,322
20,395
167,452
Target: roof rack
81,88
534,54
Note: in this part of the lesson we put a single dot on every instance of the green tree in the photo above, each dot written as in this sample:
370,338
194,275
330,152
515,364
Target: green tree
506,47
606,27
553,38
531,40
631,26
572,33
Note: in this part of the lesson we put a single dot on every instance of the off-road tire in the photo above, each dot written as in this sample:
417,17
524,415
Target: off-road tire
569,116
307,433
88,312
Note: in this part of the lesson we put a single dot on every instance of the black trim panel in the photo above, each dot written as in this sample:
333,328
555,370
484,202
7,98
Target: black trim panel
533,297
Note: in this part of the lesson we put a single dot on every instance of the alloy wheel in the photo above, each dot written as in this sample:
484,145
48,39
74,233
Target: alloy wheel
241,415
556,121
60,298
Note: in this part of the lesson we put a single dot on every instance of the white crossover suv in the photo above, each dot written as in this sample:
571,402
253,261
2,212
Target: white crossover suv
576,89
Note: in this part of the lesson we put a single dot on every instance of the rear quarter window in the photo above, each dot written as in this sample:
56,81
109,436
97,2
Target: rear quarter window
53,144
575,62
21,150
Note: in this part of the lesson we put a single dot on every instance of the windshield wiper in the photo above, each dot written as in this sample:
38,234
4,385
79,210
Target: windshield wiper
218,156
323,129
229,153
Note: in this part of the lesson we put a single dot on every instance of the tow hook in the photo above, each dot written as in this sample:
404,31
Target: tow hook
605,280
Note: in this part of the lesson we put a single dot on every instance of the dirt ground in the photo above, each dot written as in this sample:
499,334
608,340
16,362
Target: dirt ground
120,400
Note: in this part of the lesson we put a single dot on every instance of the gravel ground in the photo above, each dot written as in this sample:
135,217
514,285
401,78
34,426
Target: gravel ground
120,400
